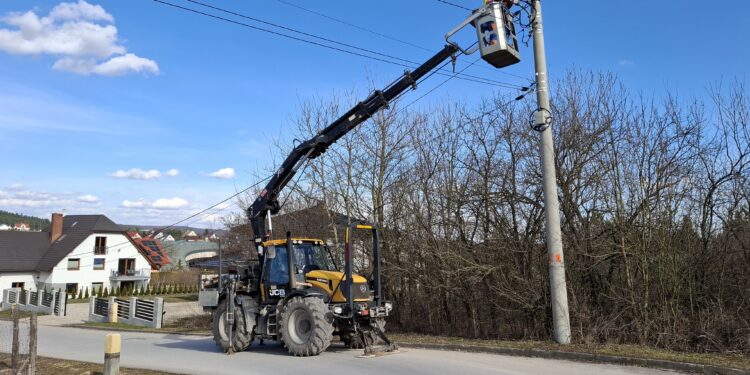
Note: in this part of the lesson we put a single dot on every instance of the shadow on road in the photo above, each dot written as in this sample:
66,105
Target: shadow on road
270,348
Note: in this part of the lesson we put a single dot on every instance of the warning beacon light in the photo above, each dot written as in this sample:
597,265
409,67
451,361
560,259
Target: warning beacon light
496,34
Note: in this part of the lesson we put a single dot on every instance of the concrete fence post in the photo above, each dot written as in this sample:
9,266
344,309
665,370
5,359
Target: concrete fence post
92,304
112,354
131,310
113,312
158,312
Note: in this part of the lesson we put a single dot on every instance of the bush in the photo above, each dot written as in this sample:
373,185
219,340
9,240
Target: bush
105,293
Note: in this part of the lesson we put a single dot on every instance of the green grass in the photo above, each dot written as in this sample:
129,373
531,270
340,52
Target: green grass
738,361
200,324
7,315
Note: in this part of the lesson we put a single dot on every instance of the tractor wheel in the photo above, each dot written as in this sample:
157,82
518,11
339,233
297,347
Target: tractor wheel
306,326
241,339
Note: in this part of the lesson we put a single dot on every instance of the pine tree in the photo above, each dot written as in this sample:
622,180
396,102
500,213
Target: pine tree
105,293
80,293
86,293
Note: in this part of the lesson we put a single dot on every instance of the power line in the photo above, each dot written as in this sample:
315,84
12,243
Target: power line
454,5
384,57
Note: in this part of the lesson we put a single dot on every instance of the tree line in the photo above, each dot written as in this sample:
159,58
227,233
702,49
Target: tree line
654,198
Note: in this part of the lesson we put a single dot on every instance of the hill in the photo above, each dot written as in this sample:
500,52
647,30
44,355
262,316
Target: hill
11,218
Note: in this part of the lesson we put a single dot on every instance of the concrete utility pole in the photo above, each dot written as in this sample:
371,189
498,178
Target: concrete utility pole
542,121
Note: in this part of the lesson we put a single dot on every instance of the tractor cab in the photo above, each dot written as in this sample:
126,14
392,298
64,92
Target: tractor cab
309,255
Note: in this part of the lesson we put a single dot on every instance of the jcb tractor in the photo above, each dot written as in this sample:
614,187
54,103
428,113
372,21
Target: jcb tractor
295,293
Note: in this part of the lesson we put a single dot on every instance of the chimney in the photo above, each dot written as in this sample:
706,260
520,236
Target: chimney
55,229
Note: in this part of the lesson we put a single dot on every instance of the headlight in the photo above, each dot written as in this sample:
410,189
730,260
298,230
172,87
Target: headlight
388,306
338,310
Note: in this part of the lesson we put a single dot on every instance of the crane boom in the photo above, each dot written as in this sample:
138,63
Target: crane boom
267,200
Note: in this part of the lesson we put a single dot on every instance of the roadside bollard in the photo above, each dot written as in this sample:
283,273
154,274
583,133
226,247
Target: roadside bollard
112,354
113,312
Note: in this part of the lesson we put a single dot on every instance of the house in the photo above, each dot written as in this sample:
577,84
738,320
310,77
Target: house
182,253
22,226
5,227
78,251
191,236
164,237
152,249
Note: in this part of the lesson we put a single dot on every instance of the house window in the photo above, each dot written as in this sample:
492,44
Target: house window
17,285
96,287
71,288
98,264
100,247
74,264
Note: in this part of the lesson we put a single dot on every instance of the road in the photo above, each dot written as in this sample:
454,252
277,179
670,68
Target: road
198,355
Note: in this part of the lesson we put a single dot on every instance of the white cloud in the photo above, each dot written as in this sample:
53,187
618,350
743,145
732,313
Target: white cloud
80,35
137,174
173,172
626,62
169,203
159,204
134,204
222,206
224,173
88,198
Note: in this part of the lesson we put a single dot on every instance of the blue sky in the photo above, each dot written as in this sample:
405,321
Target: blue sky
173,90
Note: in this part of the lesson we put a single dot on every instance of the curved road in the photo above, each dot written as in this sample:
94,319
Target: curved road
198,355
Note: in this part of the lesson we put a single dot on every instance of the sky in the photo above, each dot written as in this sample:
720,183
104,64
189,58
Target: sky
148,114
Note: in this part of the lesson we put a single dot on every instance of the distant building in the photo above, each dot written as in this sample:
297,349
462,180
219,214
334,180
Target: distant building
25,227
79,251
5,227
183,253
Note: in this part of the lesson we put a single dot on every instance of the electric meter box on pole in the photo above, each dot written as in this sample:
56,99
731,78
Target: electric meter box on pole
497,36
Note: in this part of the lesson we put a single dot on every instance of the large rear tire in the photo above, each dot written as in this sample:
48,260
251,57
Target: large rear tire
306,326
241,338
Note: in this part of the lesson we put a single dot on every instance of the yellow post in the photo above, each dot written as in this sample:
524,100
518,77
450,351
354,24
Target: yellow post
113,312
112,354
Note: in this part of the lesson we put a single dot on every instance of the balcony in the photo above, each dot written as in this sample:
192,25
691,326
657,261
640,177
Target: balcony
130,274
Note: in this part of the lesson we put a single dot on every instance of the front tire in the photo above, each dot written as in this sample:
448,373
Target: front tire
241,339
306,326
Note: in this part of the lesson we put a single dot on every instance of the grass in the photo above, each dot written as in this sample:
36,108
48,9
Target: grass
7,315
737,361
199,324
45,365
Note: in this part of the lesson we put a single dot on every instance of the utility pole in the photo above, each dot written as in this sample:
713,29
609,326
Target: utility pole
541,122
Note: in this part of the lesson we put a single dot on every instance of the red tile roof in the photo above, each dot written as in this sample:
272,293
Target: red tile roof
152,250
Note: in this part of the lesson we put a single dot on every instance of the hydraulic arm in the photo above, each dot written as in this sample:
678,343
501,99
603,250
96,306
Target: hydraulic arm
267,202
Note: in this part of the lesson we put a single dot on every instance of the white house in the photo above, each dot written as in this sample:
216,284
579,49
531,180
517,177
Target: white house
4,227
79,251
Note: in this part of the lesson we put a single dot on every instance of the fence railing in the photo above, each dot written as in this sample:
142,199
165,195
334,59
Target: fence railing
18,338
133,311
41,301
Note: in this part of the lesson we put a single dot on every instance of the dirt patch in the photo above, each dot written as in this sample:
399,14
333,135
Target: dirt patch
54,366
736,361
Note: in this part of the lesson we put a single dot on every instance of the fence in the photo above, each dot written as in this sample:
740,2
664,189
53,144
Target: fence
133,311
18,338
40,301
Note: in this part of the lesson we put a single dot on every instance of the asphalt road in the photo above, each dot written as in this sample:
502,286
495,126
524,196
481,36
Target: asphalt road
198,355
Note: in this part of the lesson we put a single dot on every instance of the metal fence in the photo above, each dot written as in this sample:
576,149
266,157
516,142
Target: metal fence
133,311
18,344
41,301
